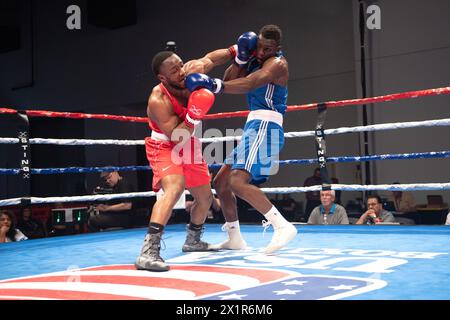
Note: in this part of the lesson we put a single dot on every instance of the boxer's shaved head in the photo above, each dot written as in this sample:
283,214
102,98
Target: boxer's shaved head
158,59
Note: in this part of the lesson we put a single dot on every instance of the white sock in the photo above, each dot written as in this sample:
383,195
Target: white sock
233,225
233,230
275,217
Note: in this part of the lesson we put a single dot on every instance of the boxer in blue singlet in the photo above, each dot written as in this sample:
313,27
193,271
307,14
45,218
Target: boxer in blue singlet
261,72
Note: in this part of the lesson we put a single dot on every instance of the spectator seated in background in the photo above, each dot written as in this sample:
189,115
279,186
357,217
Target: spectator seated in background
447,221
8,231
115,213
328,212
32,228
403,201
375,213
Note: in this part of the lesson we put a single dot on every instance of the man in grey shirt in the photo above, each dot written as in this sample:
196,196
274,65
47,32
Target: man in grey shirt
375,213
328,212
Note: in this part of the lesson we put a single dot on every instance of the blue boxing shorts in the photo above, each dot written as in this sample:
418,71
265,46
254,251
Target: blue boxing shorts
258,150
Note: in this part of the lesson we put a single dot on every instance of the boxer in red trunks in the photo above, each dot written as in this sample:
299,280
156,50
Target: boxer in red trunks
174,154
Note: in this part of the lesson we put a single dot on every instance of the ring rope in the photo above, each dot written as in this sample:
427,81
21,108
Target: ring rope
374,127
9,140
276,190
330,104
76,142
75,115
399,156
76,170
293,134
397,96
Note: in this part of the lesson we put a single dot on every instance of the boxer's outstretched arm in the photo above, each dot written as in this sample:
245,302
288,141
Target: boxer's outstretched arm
208,62
271,71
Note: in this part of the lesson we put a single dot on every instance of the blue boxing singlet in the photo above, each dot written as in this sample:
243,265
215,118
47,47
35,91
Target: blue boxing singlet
268,97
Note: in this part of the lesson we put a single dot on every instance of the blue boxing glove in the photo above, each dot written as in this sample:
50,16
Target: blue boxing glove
196,81
246,45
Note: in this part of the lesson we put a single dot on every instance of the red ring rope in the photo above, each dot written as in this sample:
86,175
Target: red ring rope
330,104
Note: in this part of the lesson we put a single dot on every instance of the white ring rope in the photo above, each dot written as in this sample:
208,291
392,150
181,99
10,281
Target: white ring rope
74,142
343,187
294,134
374,127
88,198
9,140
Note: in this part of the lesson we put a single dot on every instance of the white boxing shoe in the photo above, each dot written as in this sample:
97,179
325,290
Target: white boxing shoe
281,236
234,242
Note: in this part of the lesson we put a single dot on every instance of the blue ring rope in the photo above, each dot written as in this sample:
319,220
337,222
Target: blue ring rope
401,156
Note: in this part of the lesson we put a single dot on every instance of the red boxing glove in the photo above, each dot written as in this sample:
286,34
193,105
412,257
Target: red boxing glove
200,101
233,50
